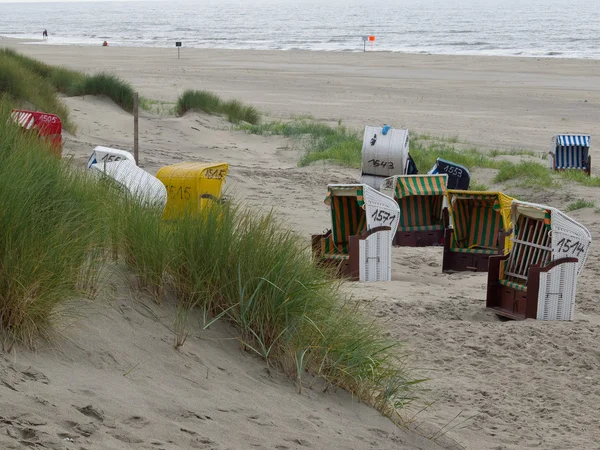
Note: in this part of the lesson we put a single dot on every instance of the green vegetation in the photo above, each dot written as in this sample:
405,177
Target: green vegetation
234,110
527,174
580,177
580,204
26,88
50,230
232,264
119,91
38,79
473,186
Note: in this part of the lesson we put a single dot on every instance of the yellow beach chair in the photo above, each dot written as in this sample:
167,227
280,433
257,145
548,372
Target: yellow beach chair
191,186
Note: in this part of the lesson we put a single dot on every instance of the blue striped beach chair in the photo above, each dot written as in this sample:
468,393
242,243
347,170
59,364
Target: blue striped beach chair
570,151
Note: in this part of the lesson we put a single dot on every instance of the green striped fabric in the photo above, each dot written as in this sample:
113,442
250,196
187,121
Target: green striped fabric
422,228
477,222
420,198
347,219
513,285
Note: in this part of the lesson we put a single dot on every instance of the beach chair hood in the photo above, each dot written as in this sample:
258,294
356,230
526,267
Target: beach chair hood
384,154
137,182
380,209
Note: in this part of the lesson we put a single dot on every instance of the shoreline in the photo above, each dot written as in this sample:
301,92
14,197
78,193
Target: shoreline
549,57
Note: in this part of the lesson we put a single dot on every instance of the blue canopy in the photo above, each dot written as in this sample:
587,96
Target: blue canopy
568,140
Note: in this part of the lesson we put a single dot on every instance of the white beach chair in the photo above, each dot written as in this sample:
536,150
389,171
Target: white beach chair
359,243
135,181
106,154
383,155
538,278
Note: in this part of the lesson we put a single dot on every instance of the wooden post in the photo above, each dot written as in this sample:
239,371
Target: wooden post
135,129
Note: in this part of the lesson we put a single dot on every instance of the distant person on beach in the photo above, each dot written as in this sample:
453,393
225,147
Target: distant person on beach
45,34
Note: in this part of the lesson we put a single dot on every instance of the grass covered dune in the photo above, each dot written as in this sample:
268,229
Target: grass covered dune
62,227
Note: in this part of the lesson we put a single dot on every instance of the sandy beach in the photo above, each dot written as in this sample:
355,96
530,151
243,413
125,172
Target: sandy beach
492,384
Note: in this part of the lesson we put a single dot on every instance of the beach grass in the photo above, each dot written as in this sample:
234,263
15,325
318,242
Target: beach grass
580,204
51,230
234,110
111,86
27,90
70,82
526,174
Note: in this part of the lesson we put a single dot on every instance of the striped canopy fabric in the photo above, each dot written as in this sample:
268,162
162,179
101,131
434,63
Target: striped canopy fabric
420,185
346,191
348,218
478,217
569,140
571,151
420,198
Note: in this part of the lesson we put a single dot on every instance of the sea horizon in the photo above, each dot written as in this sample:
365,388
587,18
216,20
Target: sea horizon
453,27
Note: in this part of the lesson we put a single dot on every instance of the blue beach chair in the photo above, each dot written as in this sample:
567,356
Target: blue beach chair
570,151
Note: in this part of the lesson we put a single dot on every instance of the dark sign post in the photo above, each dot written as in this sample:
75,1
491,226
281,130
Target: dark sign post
365,39
178,45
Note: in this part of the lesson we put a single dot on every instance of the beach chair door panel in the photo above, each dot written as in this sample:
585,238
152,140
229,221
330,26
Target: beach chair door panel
556,297
375,257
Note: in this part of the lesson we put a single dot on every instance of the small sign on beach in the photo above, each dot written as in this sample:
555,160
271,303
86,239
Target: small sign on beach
178,45
366,38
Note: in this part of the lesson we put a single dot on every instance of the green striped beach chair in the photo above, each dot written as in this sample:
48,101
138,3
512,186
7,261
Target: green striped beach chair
359,242
479,227
421,201
537,279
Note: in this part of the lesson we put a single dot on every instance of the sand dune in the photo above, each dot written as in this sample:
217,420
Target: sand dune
493,384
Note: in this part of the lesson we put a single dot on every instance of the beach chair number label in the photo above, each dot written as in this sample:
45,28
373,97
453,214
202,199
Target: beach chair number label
111,158
215,173
568,246
456,171
181,192
49,118
377,163
383,216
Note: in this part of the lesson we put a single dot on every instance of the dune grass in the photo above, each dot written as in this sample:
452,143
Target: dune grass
234,110
580,204
27,89
527,174
50,230
580,177
67,81
245,268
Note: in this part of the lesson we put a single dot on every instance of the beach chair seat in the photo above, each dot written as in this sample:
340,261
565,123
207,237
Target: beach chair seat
537,278
570,151
421,202
47,126
478,227
358,245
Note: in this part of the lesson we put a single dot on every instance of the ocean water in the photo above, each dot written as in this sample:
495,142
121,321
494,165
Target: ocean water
557,28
